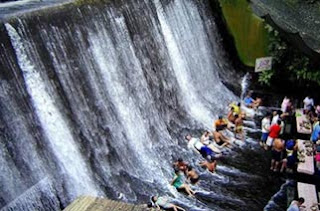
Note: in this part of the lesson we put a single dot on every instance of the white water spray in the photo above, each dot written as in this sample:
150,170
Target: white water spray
53,123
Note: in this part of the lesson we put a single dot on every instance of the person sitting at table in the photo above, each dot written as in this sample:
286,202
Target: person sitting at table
308,103
296,205
290,158
311,115
318,110
315,131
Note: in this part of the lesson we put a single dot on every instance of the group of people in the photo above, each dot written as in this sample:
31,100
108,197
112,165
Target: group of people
210,146
285,152
235,117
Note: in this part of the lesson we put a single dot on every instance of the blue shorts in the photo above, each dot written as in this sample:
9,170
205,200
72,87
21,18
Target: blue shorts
291,160
205,151
264,137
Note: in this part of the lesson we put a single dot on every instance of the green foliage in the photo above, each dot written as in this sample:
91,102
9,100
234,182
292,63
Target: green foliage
265,77
288,62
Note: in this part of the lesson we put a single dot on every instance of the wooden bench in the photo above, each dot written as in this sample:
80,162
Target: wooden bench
306,167
303,124
308,192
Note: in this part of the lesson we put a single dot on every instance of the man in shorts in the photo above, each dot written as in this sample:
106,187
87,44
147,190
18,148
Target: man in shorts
277,149
265,126
199,147
273,133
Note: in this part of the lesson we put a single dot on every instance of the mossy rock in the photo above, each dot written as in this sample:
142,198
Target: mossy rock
247,29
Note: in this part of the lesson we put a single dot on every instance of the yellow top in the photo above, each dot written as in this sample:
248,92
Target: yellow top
236,109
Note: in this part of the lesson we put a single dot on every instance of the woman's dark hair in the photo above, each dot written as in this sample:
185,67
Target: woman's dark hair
152,199
301,200
190,168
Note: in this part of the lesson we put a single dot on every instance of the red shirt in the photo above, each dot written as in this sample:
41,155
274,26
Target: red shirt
274,131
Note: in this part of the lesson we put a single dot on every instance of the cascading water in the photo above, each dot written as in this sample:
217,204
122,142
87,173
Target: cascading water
98,103
244,85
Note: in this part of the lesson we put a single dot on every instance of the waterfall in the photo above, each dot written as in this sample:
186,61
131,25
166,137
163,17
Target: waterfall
244,85
55,127
98,103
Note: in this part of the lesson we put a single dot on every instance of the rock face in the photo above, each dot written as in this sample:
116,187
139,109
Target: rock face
297,17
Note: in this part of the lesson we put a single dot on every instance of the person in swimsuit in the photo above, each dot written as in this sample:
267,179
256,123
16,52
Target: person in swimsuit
179,184
230,115
206,139
210,165
199,147
220,124
239,127
277,148
163,202
180,165
192,175
236,107
220,139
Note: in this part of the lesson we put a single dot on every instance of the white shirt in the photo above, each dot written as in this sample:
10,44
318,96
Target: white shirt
284,104
205,139
265,125
308,102
275,119
282,127
195,144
